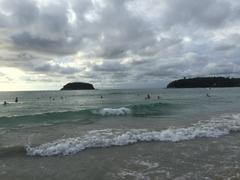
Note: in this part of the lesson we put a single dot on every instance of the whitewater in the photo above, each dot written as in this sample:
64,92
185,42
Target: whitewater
118,134
117,137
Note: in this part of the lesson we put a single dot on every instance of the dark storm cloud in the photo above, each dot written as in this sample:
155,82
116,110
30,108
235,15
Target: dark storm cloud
133,39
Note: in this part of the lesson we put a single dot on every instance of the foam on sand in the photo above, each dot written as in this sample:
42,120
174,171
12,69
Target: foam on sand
213,128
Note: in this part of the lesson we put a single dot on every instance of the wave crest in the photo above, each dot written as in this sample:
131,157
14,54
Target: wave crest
118,137
113,111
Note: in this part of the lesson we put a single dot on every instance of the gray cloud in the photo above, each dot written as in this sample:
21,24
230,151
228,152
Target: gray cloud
135,40
19,13
49,68
109,66
205,13
59,46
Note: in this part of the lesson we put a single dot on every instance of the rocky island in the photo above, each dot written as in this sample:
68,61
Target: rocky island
78,86
203,82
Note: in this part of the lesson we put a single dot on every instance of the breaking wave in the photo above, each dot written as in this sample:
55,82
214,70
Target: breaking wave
89,114
113,111
213,128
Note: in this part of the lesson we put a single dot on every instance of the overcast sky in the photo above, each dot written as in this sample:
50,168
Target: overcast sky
116,43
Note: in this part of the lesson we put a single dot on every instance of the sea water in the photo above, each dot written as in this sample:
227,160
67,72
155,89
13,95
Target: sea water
119,134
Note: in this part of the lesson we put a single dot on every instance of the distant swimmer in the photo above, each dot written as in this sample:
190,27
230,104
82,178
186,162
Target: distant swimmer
16,99
5,103
158,97
101,97
208,95
148,97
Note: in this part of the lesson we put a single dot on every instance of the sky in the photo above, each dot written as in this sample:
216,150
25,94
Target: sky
45,44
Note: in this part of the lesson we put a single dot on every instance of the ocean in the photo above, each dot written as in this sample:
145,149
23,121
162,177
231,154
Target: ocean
179,134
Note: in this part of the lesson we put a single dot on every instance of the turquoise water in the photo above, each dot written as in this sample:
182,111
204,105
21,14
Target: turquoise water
118,134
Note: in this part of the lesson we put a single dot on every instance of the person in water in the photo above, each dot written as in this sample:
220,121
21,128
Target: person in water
148,97
16,99
5,103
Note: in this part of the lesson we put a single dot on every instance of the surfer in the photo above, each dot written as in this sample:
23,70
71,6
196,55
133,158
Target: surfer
208,95
5,103
101,97
16,99
158,97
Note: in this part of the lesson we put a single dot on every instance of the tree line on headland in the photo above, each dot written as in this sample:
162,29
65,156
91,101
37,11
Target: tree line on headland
197,82
204,82
78,86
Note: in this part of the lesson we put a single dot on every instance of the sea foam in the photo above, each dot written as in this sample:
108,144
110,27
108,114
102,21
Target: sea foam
213,128
113,111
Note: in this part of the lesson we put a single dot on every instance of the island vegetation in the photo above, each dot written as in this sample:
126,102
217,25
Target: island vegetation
204,82
78,86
